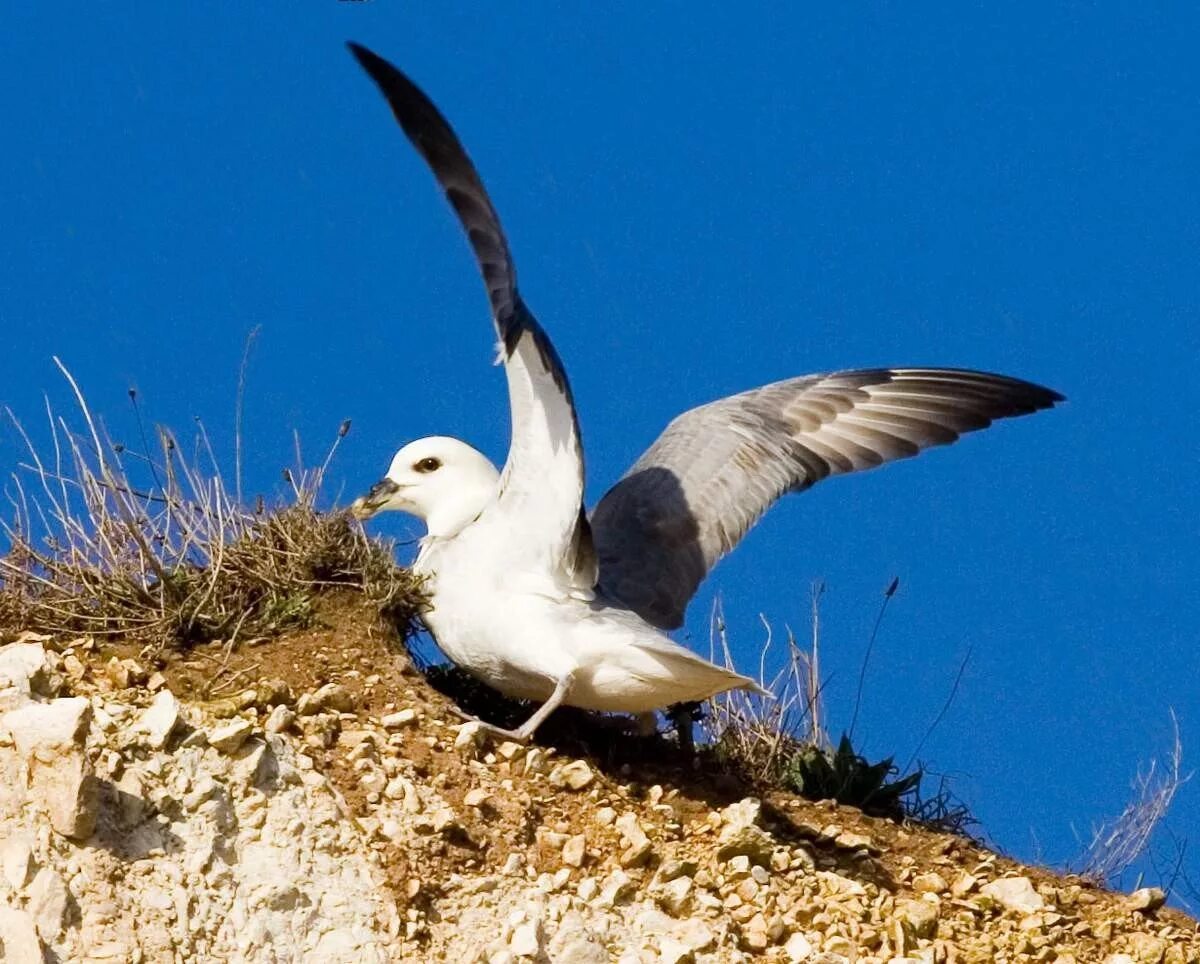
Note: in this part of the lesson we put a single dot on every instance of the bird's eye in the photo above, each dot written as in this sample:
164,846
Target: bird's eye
428,465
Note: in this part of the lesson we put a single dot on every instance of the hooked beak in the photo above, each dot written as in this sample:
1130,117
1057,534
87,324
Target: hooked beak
367,505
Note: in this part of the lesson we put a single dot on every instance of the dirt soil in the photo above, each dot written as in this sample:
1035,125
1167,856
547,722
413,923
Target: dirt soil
513,811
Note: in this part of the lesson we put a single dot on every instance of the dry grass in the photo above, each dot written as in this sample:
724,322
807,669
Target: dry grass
152,545
1116,844
783,742
759,735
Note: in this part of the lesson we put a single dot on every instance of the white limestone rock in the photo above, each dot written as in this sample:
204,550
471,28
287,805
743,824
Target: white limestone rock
51,739
741,835
1015,894
159,720
229,737
48,898
19,937
23,671
16,860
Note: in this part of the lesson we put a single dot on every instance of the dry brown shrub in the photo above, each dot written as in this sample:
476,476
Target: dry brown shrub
154,547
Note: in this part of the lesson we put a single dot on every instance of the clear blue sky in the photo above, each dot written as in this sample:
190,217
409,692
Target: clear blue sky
700,201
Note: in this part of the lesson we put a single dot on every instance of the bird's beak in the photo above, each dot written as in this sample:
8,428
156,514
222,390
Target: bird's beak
367,505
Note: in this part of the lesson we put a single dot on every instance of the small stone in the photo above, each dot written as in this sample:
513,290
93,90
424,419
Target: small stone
469,736
855,841
580,946
741,835
616,886
671,951
158,722
918,917
399,719
739,867
755,935
335,698
224,709
477,797
48,898
23,668
605,816
695,934
1147,949
576,775
574,850
273,692
629,828
280,719
308,705
636,856
675,896
1015,894
229,737
19,937
798,948
1146,900
931,883
963,885
526,940
671,868
16,858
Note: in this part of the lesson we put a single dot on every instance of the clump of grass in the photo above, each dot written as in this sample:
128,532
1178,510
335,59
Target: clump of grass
1116,844
104,540
783,742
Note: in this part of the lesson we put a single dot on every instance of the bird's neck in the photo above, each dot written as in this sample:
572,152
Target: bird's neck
455,514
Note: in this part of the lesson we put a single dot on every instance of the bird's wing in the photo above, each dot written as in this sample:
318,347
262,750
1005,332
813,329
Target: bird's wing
541,488
717,468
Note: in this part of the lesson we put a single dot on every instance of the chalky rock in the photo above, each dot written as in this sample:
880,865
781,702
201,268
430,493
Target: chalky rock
23,669
741,835
1015,894
48,899
19,937
51,740
158,722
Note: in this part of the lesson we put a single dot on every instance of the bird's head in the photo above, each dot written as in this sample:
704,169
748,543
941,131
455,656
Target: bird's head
440,480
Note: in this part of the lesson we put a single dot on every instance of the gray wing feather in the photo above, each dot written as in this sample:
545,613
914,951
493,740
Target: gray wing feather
716,469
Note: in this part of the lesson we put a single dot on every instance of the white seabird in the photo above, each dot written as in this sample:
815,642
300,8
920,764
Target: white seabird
542,602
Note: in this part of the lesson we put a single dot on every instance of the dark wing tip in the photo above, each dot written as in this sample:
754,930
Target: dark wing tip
387,76
433,137
1030,396
411,105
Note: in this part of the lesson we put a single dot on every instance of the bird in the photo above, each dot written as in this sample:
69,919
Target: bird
545,602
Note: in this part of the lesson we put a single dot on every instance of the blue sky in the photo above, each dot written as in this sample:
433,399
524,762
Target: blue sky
700,200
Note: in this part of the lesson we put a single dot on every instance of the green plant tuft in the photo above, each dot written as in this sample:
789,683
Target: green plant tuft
845,776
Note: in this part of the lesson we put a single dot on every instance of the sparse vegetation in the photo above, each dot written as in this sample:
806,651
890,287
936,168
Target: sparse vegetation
1116,844
155,545
104,540
783,742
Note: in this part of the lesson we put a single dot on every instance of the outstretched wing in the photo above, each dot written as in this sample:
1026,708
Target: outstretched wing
717,468
541,488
